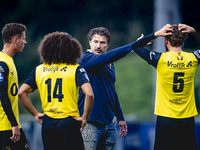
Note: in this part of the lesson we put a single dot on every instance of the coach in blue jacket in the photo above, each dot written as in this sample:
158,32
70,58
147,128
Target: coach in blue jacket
100,132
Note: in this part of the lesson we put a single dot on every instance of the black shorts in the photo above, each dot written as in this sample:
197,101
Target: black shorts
61,134
175,134
6,143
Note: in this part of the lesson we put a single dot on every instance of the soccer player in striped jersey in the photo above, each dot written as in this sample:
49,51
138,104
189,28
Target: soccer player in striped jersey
175,102
58,80
11,133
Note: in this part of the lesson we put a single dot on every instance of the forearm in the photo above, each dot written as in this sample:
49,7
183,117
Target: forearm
5,101
143,41
88,106
24,90
89,99
117,108
90,60
27,104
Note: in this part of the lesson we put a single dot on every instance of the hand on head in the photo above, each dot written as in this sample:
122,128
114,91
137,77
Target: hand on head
185,28
168,30
165,31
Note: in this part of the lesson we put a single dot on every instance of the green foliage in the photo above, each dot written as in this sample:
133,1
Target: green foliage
134,85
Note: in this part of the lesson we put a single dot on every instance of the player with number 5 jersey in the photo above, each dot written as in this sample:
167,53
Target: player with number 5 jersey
175,101
58,80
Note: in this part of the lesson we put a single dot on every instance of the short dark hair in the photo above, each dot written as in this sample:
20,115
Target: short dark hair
177,38
59,47
12,29
100,31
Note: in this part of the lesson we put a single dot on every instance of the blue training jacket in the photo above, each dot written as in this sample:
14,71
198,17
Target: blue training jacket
101,72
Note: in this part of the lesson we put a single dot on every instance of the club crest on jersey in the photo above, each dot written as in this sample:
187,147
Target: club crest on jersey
180,58
1,77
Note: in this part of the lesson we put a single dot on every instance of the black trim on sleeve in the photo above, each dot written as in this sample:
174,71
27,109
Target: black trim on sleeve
197,55
81,76
150,56
5,101
31,81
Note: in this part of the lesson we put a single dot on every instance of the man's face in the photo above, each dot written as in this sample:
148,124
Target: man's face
99,44
20,43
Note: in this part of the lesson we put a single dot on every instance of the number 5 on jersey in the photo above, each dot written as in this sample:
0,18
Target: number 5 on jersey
178,80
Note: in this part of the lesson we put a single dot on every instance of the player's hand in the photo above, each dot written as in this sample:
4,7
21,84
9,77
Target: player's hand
16,135
185,28
142,35
165,31
123,128
39,117
82,122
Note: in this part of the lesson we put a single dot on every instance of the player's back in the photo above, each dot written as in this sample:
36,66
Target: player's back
58,90
175,87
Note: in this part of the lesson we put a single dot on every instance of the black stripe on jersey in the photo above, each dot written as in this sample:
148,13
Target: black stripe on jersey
5,101
197,55
31,81
81,76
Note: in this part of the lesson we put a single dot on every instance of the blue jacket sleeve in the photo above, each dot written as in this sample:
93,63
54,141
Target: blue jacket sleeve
90,60
5,101
143,41
117,108
151,57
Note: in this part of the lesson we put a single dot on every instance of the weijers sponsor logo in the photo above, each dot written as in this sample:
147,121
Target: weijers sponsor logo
53,69
177,101
179,65
55,111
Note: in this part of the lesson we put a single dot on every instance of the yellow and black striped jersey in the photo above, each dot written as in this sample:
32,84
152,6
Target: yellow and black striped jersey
8,93
175,78
58,85
175,85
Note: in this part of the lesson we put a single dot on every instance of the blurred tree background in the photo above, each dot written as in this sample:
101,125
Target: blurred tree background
125,19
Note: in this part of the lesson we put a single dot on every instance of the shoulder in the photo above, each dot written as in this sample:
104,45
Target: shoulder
80,69
197,54
3,67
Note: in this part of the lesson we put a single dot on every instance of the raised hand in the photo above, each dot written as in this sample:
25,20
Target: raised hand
165,31
185,28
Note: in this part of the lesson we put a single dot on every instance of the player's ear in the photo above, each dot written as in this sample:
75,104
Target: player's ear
166,41
15,39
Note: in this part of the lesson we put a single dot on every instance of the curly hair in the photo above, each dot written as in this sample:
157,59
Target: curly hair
100,31
12,29
177,38
59,47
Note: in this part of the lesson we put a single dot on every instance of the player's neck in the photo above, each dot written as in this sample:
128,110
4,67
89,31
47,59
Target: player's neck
175,49
8,49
